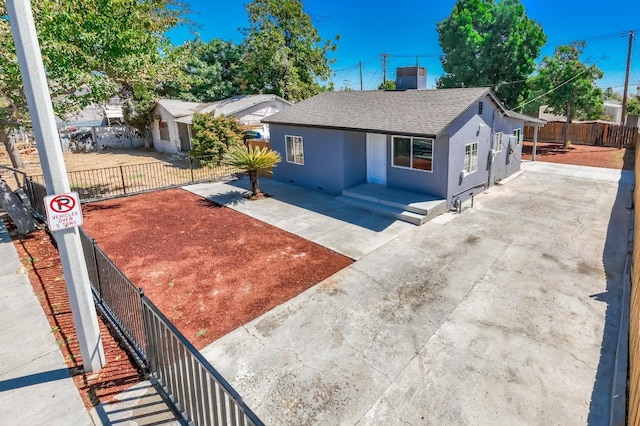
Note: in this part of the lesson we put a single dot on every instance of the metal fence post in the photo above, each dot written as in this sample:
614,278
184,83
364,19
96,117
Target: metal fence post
124,188
95,260
191,168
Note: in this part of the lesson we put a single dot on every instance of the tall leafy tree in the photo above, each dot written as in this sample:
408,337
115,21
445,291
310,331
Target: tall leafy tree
488,43
215,70
285,54
569,85
92,50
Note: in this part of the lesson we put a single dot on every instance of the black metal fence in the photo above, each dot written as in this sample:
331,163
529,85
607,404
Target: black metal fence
198,390
192,384
96,184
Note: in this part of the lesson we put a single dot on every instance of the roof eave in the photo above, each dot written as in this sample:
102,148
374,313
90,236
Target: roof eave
354,129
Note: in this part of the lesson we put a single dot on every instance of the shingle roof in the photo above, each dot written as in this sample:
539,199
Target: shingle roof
420,112
179,108
183,111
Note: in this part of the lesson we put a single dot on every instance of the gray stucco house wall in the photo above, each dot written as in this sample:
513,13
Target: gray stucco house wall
333,159
335,149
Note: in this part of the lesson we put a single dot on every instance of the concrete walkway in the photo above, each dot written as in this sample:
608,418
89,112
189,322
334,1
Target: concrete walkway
505,314
35,385
313,215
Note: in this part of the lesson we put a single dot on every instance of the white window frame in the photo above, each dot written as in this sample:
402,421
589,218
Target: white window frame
470,158
497,141
411,138
518,134
297,159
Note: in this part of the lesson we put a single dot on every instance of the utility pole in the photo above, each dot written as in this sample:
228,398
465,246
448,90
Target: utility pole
626,81
360,64
384,67
48,141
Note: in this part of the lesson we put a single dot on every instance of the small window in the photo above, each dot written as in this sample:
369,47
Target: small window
470,158
480,107
295,150
413,153
497,142
518,134
164,130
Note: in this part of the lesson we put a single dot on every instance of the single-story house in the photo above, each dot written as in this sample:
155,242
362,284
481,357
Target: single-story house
447,143
171,127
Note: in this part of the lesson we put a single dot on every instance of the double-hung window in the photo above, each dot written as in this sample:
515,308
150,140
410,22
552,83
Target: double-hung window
497,142
413,153
470,158
164,130
295,150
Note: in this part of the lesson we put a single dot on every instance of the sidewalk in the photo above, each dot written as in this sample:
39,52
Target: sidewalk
35,385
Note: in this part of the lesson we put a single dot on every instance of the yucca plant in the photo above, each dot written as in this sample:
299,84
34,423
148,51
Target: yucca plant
252,159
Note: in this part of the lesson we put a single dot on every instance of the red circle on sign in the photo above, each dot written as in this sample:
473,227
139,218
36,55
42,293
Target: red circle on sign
62,204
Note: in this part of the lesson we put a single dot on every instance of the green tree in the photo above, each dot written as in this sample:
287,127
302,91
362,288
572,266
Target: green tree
490,44
92,50
215,70
215,135
252,159
633,106
387,85
285,54
568,85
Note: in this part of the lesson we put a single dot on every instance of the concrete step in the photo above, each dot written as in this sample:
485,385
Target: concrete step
387,210
426,205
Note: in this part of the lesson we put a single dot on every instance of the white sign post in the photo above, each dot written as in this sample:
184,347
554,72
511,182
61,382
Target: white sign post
74,267
63,211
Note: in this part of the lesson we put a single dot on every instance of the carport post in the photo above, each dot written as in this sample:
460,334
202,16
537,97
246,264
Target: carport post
535,143
48,141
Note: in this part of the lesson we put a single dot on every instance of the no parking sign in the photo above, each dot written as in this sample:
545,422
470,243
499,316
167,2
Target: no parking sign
63,211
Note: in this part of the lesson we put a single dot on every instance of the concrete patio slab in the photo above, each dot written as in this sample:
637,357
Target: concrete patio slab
505,314
313,215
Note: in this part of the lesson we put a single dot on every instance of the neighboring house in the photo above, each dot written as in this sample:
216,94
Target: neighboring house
446,143
171,127
612,112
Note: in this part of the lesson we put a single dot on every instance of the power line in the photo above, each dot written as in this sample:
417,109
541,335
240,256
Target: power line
555,88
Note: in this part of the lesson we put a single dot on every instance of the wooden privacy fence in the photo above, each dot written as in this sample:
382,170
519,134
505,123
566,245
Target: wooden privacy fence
587,134
634,326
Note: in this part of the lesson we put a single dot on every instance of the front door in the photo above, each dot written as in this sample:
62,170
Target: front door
376,158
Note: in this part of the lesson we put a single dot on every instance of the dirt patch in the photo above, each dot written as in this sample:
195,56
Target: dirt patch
581,155
42,263
210,269
75,161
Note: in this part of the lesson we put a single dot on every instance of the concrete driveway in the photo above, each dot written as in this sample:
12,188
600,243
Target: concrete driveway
505,314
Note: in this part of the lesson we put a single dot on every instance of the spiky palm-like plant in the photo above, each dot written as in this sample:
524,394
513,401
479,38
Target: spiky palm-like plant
252,159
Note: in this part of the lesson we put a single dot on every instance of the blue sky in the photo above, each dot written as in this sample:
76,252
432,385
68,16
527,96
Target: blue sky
408,28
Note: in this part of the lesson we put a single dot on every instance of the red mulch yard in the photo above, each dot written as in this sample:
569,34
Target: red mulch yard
42,263
209,268
581,155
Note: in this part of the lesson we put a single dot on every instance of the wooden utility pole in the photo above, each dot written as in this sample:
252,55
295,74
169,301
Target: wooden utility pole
384,66
626,81
360,64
